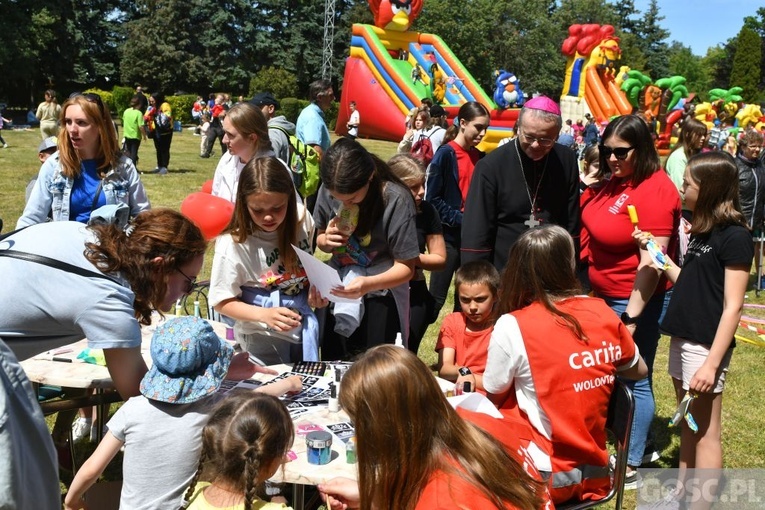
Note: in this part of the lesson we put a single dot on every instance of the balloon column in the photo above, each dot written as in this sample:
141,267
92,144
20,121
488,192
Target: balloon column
210,213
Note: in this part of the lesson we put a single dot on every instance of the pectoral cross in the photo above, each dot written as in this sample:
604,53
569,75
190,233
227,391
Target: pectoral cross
532,221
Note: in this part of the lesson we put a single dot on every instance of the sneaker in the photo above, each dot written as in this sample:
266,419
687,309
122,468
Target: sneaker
650,455
204,156
5,146
81,428
162,171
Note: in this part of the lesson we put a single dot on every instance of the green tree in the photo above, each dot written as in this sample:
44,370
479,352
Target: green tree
280,82
652,40
746,69
625,12
682,62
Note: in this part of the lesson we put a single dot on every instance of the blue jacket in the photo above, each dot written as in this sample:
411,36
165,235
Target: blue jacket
442,187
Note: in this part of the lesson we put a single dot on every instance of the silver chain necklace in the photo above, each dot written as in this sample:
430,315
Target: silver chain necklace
533,221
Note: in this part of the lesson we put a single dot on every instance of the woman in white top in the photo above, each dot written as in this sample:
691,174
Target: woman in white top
245,133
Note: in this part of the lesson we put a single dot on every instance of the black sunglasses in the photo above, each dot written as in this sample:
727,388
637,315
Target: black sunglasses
620,153
90,98
190,282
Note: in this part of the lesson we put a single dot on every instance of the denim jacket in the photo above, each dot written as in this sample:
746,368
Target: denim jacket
442,188
52,192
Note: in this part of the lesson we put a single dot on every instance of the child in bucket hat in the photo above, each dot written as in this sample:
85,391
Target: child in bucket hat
189,362
177,396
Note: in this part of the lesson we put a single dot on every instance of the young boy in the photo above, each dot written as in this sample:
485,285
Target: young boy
463,341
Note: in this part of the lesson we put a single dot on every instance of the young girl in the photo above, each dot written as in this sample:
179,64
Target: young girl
449,177
692,138
430,237
245,134
256,276
204,128
705,308
438,459
383,243
243,445
543,354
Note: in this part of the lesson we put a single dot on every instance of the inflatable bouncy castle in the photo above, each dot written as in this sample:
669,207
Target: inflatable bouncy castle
593,75
390,69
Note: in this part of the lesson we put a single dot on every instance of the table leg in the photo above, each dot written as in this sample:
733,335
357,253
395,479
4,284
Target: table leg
102,412
298,496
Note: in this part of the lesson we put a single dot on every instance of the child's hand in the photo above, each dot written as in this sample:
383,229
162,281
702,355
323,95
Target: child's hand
340,493
315,299
357,288
641,237
294,384
703,380
280,319
242,368
74,504
334,237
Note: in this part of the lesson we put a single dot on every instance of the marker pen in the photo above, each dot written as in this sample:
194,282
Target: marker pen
334,404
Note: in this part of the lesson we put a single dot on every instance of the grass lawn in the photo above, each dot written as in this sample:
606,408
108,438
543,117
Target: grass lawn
743,442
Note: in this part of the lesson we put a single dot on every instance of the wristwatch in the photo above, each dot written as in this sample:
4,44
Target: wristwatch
627,320
465,371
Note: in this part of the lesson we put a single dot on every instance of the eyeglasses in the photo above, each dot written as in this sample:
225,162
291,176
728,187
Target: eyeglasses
190,282
543,142
754,147
619,153
90,98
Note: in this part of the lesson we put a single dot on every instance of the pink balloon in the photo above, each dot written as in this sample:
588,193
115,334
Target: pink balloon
207,186
211,214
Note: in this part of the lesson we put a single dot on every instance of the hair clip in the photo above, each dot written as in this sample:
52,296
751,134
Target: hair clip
129,229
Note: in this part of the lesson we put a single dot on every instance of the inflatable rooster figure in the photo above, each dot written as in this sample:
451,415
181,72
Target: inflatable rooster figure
396,15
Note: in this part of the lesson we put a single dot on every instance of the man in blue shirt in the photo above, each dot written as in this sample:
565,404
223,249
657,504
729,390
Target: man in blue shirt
311,129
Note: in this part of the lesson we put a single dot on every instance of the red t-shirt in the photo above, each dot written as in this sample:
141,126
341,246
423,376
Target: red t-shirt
217,110
466,160
470,347
613,254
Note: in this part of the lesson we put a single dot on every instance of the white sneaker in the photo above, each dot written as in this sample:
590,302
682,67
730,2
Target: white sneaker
81,428
5,146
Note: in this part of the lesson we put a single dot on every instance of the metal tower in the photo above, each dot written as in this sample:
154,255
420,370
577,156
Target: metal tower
329,35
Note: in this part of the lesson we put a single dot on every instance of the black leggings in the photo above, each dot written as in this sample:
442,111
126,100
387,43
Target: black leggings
162,145
378,326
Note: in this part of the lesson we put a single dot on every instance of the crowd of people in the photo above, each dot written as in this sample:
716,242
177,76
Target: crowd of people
558,286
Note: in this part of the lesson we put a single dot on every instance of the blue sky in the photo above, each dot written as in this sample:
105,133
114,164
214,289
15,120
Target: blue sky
701,24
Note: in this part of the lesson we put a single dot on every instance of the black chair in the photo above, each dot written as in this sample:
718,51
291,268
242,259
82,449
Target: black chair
619,423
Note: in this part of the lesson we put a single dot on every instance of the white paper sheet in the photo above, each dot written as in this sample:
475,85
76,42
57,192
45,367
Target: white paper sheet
475,402
321,276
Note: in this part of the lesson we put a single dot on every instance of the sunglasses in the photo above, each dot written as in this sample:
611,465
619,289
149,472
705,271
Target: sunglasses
190,282
90,98
619,153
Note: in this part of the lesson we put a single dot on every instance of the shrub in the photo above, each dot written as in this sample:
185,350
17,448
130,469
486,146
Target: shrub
279,82
122,97
182,106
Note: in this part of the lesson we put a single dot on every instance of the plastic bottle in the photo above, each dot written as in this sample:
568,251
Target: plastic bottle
399,340
350,451
334,403
196,309
178,308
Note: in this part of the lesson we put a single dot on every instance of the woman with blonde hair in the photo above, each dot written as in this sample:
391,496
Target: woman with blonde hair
245,133
415,451
693,135
87,172
47,113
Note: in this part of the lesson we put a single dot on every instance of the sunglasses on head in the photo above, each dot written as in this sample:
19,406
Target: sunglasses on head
618,152
90,98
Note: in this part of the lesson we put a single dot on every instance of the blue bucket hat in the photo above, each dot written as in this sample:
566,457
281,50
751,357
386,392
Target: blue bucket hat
189,361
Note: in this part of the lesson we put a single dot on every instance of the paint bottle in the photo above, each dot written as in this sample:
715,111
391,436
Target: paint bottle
229,333
196,309
178,308
319,445
399,340
350,451
334,404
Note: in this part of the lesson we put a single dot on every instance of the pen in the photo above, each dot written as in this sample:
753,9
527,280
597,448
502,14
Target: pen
63,360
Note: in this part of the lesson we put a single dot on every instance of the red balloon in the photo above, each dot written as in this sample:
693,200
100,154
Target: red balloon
211,214
207,186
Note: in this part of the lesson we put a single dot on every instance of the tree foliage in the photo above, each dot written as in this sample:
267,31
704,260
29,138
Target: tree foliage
746,64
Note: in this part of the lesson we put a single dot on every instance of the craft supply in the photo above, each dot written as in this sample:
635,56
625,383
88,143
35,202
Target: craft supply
350,451
319,445
63,360
334,404
196,309
178,308
229,333
399,340
684,412
316,368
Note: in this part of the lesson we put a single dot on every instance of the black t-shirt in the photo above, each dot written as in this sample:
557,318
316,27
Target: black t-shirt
697,299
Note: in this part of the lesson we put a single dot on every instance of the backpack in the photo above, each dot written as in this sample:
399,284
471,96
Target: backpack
304,163
162,123
422,149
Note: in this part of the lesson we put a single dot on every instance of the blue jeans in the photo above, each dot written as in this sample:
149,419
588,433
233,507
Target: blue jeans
647,339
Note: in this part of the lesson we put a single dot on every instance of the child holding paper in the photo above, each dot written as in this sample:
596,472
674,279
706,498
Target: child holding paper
256,276
384,241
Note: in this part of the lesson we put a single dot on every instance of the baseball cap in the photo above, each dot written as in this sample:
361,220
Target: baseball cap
264,98
437,110
189,361
49,143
